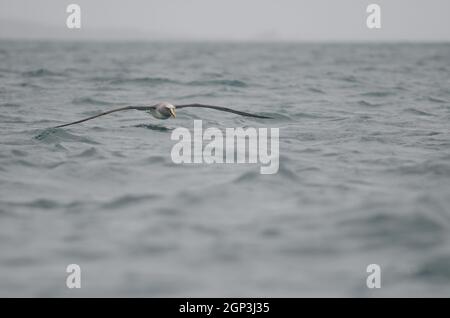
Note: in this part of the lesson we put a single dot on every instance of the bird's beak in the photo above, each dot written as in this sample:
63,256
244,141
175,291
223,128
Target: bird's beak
172,112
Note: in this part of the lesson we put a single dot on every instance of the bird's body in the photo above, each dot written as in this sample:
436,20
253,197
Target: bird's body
157,114
164,110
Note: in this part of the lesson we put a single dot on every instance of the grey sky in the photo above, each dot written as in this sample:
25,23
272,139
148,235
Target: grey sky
241,20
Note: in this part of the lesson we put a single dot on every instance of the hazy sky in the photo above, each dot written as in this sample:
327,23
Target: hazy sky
242,20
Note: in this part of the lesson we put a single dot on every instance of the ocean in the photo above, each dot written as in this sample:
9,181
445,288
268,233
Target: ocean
364,170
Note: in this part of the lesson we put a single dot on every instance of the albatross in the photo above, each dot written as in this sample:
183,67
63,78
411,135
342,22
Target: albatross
164,110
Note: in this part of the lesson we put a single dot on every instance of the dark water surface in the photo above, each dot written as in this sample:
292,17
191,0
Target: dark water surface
364,170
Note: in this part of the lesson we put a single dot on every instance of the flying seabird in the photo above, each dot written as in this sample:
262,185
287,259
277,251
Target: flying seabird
164,110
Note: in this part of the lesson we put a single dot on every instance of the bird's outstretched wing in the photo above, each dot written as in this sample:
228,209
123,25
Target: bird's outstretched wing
224,109
106,113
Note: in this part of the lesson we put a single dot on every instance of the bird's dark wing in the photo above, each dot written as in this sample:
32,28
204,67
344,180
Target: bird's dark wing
106,113
224,109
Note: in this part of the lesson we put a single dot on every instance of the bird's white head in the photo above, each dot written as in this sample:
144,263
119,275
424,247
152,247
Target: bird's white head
166,109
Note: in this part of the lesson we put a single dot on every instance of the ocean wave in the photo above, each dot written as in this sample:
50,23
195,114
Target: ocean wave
349,79
41,72
153,127
91,152
254,175
199,95
368,104
415,111
248,176
305,115
86,100
416,230
437,100
164,80
221,82
21,162
129,199
11,119
19,153
439,169
143,80
29,85
41,203
156,159
56,135
377,94
316,90
12,105
435,268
